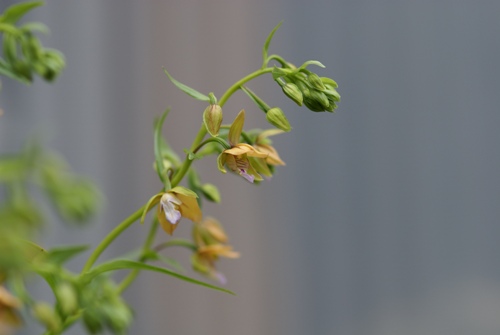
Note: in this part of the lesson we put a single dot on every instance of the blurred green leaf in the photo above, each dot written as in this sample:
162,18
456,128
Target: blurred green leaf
62,254
17,11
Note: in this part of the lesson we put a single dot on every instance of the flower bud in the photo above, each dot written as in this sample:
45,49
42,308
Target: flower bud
321,98
293,92
315,81
66,298
47,316
210,192
277,118
212,118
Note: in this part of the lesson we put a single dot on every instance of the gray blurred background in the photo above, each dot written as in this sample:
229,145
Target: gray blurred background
385,220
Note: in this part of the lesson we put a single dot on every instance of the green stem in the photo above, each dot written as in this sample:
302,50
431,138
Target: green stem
145,248
242,81
110,238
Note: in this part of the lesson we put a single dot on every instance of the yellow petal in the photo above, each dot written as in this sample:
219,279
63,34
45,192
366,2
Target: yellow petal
266,133
273,158
219,250
244,148
189,208
236,128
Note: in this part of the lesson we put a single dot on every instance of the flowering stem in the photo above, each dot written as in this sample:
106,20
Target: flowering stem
176,179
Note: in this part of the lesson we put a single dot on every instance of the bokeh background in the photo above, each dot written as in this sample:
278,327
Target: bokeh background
385,220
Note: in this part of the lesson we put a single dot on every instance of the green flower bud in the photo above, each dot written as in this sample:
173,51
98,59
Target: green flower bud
212,118
210,192
315,81
44,313
321,98
277,118
306,92
293,92
66,297
313,105
329,82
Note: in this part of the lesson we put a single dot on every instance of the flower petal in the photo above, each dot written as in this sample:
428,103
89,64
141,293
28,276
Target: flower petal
244,148
183,190
221,160
169,204
165,224
273,158
236,128
189,208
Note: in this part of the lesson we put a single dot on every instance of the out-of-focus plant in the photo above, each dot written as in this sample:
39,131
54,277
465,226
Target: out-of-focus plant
93,296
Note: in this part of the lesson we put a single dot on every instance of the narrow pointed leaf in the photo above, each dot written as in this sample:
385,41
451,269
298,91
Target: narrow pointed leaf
160,168
312,62
268,41
126,264
186,89
255,98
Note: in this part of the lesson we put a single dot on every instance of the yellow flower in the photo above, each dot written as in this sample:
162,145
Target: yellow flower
236,158
210,240
173,205
8,311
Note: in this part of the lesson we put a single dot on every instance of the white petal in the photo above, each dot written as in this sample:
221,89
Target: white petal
169,204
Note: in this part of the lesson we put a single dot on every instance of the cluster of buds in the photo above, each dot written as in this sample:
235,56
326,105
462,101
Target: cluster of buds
303,86
23,53
211,243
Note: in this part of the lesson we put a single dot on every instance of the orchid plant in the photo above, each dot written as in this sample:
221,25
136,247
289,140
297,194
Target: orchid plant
93,296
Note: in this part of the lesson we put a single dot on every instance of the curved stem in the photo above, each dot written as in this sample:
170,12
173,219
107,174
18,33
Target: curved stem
110,238
242,81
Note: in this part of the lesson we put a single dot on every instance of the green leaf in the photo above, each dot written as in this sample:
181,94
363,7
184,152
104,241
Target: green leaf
126,264
33,250
154,256
311,62
35,26
186,89
160,168
268,41
17,11
258,101
13,168
60,255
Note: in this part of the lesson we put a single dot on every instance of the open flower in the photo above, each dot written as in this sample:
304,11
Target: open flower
9,317
236,158
173,205
210,240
